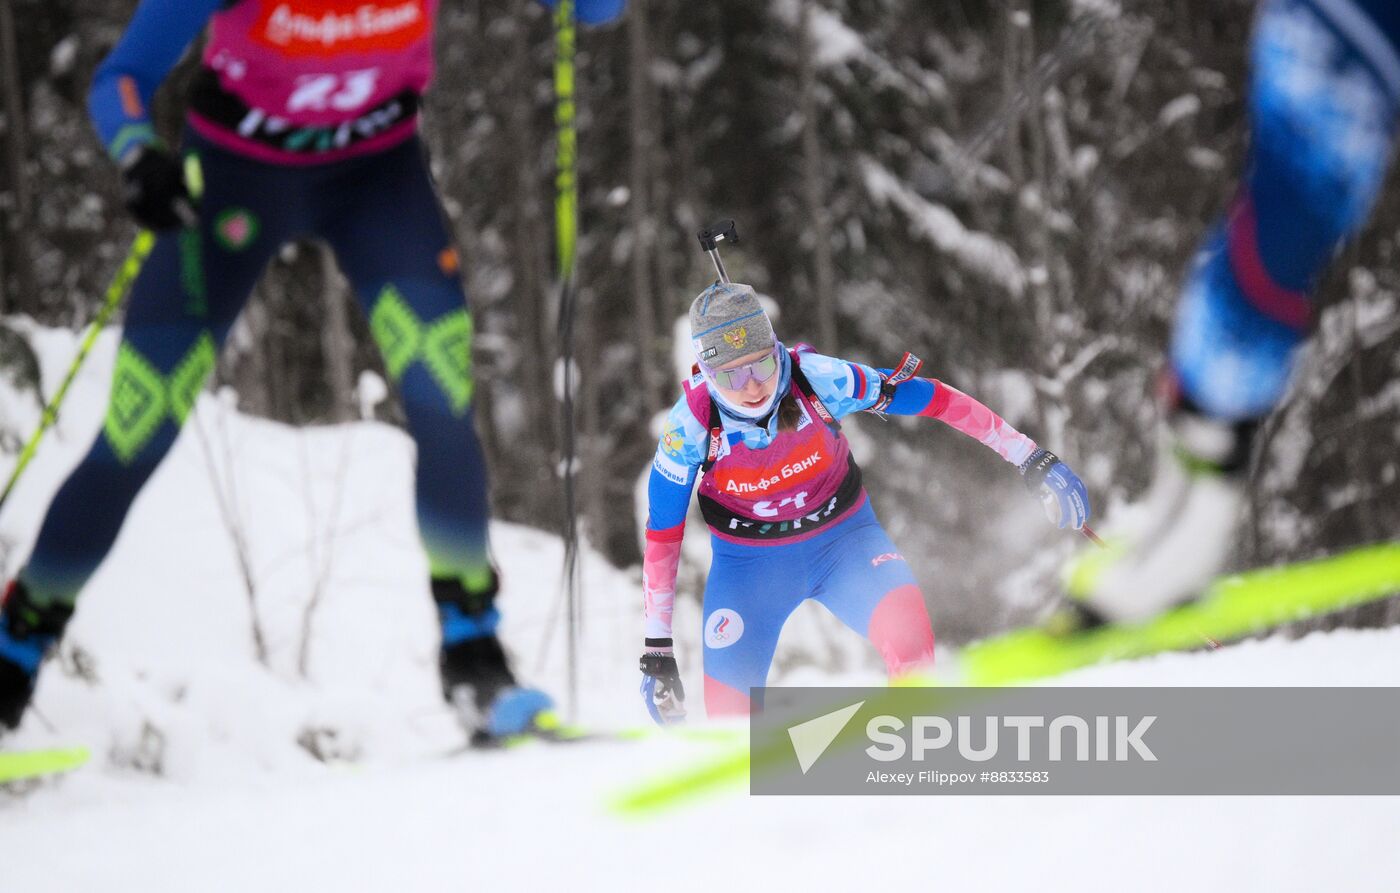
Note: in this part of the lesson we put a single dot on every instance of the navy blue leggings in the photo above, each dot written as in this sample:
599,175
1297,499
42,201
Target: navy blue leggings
851,568
381,216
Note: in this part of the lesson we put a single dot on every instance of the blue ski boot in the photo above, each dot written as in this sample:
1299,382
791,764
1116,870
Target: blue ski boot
476,676
27,631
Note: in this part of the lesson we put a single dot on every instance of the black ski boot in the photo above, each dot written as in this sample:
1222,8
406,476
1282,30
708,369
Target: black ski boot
476,676
27,630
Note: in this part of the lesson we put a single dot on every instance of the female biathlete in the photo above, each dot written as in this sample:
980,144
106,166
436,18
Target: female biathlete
782,495
303,119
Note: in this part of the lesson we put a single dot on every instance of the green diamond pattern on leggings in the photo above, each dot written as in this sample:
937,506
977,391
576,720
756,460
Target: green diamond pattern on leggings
137,405
189,377
447,352
444,347
396,330
142,397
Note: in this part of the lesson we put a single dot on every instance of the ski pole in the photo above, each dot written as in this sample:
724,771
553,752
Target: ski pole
566,221
126,274
135,258
711,236
1093,537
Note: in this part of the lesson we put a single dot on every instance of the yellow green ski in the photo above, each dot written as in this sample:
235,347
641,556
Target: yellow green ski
26,764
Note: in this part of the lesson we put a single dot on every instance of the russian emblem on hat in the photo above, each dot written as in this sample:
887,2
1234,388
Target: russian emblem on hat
737,338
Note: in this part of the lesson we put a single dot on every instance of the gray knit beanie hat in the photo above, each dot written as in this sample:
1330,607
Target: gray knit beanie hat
728,322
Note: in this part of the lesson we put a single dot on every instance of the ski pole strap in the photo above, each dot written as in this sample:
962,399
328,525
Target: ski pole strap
716,426
909,366
711,454
799,378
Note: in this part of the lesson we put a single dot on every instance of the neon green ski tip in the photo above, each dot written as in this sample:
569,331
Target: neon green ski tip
21,765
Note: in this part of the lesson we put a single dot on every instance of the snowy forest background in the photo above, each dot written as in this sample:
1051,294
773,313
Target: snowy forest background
1011,190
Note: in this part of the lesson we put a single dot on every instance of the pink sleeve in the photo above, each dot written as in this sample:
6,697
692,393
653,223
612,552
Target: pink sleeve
659,566
957,409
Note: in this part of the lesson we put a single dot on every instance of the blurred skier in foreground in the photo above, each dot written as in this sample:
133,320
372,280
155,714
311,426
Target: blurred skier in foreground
1324,94
302,121
782,495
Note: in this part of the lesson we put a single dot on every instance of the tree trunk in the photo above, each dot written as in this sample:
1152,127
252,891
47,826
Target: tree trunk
643,227
253,370
337,343
1035,116
483,392
814,188
1010,84
667,304
4,290
593,444
17,220
277,374
537,383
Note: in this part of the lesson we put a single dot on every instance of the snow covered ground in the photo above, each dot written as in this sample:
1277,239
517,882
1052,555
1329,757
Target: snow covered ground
203,776
534,818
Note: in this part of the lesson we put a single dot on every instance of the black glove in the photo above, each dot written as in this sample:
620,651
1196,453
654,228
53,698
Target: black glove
662,688
154,190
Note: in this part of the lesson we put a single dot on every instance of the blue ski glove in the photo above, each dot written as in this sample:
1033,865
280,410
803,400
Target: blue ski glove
1060,490
662,688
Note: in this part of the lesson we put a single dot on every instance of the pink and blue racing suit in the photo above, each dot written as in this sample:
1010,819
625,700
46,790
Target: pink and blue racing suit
790,520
